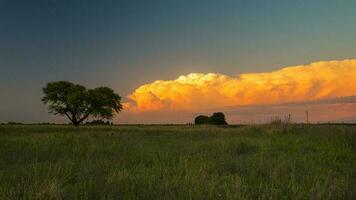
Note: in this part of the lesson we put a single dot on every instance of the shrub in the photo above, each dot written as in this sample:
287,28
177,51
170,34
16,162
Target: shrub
202,119
99,122
217,119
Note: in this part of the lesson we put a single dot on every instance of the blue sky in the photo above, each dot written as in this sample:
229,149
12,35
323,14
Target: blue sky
124,44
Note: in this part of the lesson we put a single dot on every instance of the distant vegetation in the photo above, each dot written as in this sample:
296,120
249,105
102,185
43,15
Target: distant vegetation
78,103
217,119
14,123
99,122
178,162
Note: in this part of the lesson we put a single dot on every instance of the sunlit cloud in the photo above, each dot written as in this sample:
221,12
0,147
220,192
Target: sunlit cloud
196,91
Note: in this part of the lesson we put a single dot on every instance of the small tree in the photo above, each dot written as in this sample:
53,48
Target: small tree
218,118
78,103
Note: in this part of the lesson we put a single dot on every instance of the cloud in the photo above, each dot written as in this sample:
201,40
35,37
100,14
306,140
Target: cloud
196,92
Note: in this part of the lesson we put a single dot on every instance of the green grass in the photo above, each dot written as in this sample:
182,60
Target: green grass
178,162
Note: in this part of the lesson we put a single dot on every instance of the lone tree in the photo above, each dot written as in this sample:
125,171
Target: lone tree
78,103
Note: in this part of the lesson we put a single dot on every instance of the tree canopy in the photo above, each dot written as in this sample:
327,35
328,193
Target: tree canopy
78,103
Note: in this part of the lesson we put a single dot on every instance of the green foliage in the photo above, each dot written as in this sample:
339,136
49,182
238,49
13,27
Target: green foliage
217,119
78,103
177,162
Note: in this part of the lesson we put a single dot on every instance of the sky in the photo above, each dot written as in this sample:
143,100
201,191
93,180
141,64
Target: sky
129,45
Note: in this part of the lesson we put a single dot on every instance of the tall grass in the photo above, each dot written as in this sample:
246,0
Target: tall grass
178,162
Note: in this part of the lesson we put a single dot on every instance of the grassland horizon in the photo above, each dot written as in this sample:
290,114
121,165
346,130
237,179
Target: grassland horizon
178,162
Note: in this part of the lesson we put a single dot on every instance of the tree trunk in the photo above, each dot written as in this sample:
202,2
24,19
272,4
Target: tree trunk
76,124
74,120
83,118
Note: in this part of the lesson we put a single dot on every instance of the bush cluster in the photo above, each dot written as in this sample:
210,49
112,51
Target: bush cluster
99,122
217,119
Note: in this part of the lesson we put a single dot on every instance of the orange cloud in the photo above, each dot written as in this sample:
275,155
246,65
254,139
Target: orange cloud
195,91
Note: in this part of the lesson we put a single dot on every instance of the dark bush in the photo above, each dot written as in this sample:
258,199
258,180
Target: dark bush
99,122
202,119
14,123
217,119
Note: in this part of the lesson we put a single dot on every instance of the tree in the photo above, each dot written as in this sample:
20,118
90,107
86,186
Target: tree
78,103
202,119
218,118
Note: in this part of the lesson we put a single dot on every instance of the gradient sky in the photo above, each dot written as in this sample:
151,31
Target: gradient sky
125,44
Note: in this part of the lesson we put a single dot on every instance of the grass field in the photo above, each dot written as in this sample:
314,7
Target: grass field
178,162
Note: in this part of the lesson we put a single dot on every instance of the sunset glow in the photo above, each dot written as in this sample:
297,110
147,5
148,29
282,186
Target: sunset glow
196,91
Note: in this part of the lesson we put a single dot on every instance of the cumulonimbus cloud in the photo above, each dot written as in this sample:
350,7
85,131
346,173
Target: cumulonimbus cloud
196,91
